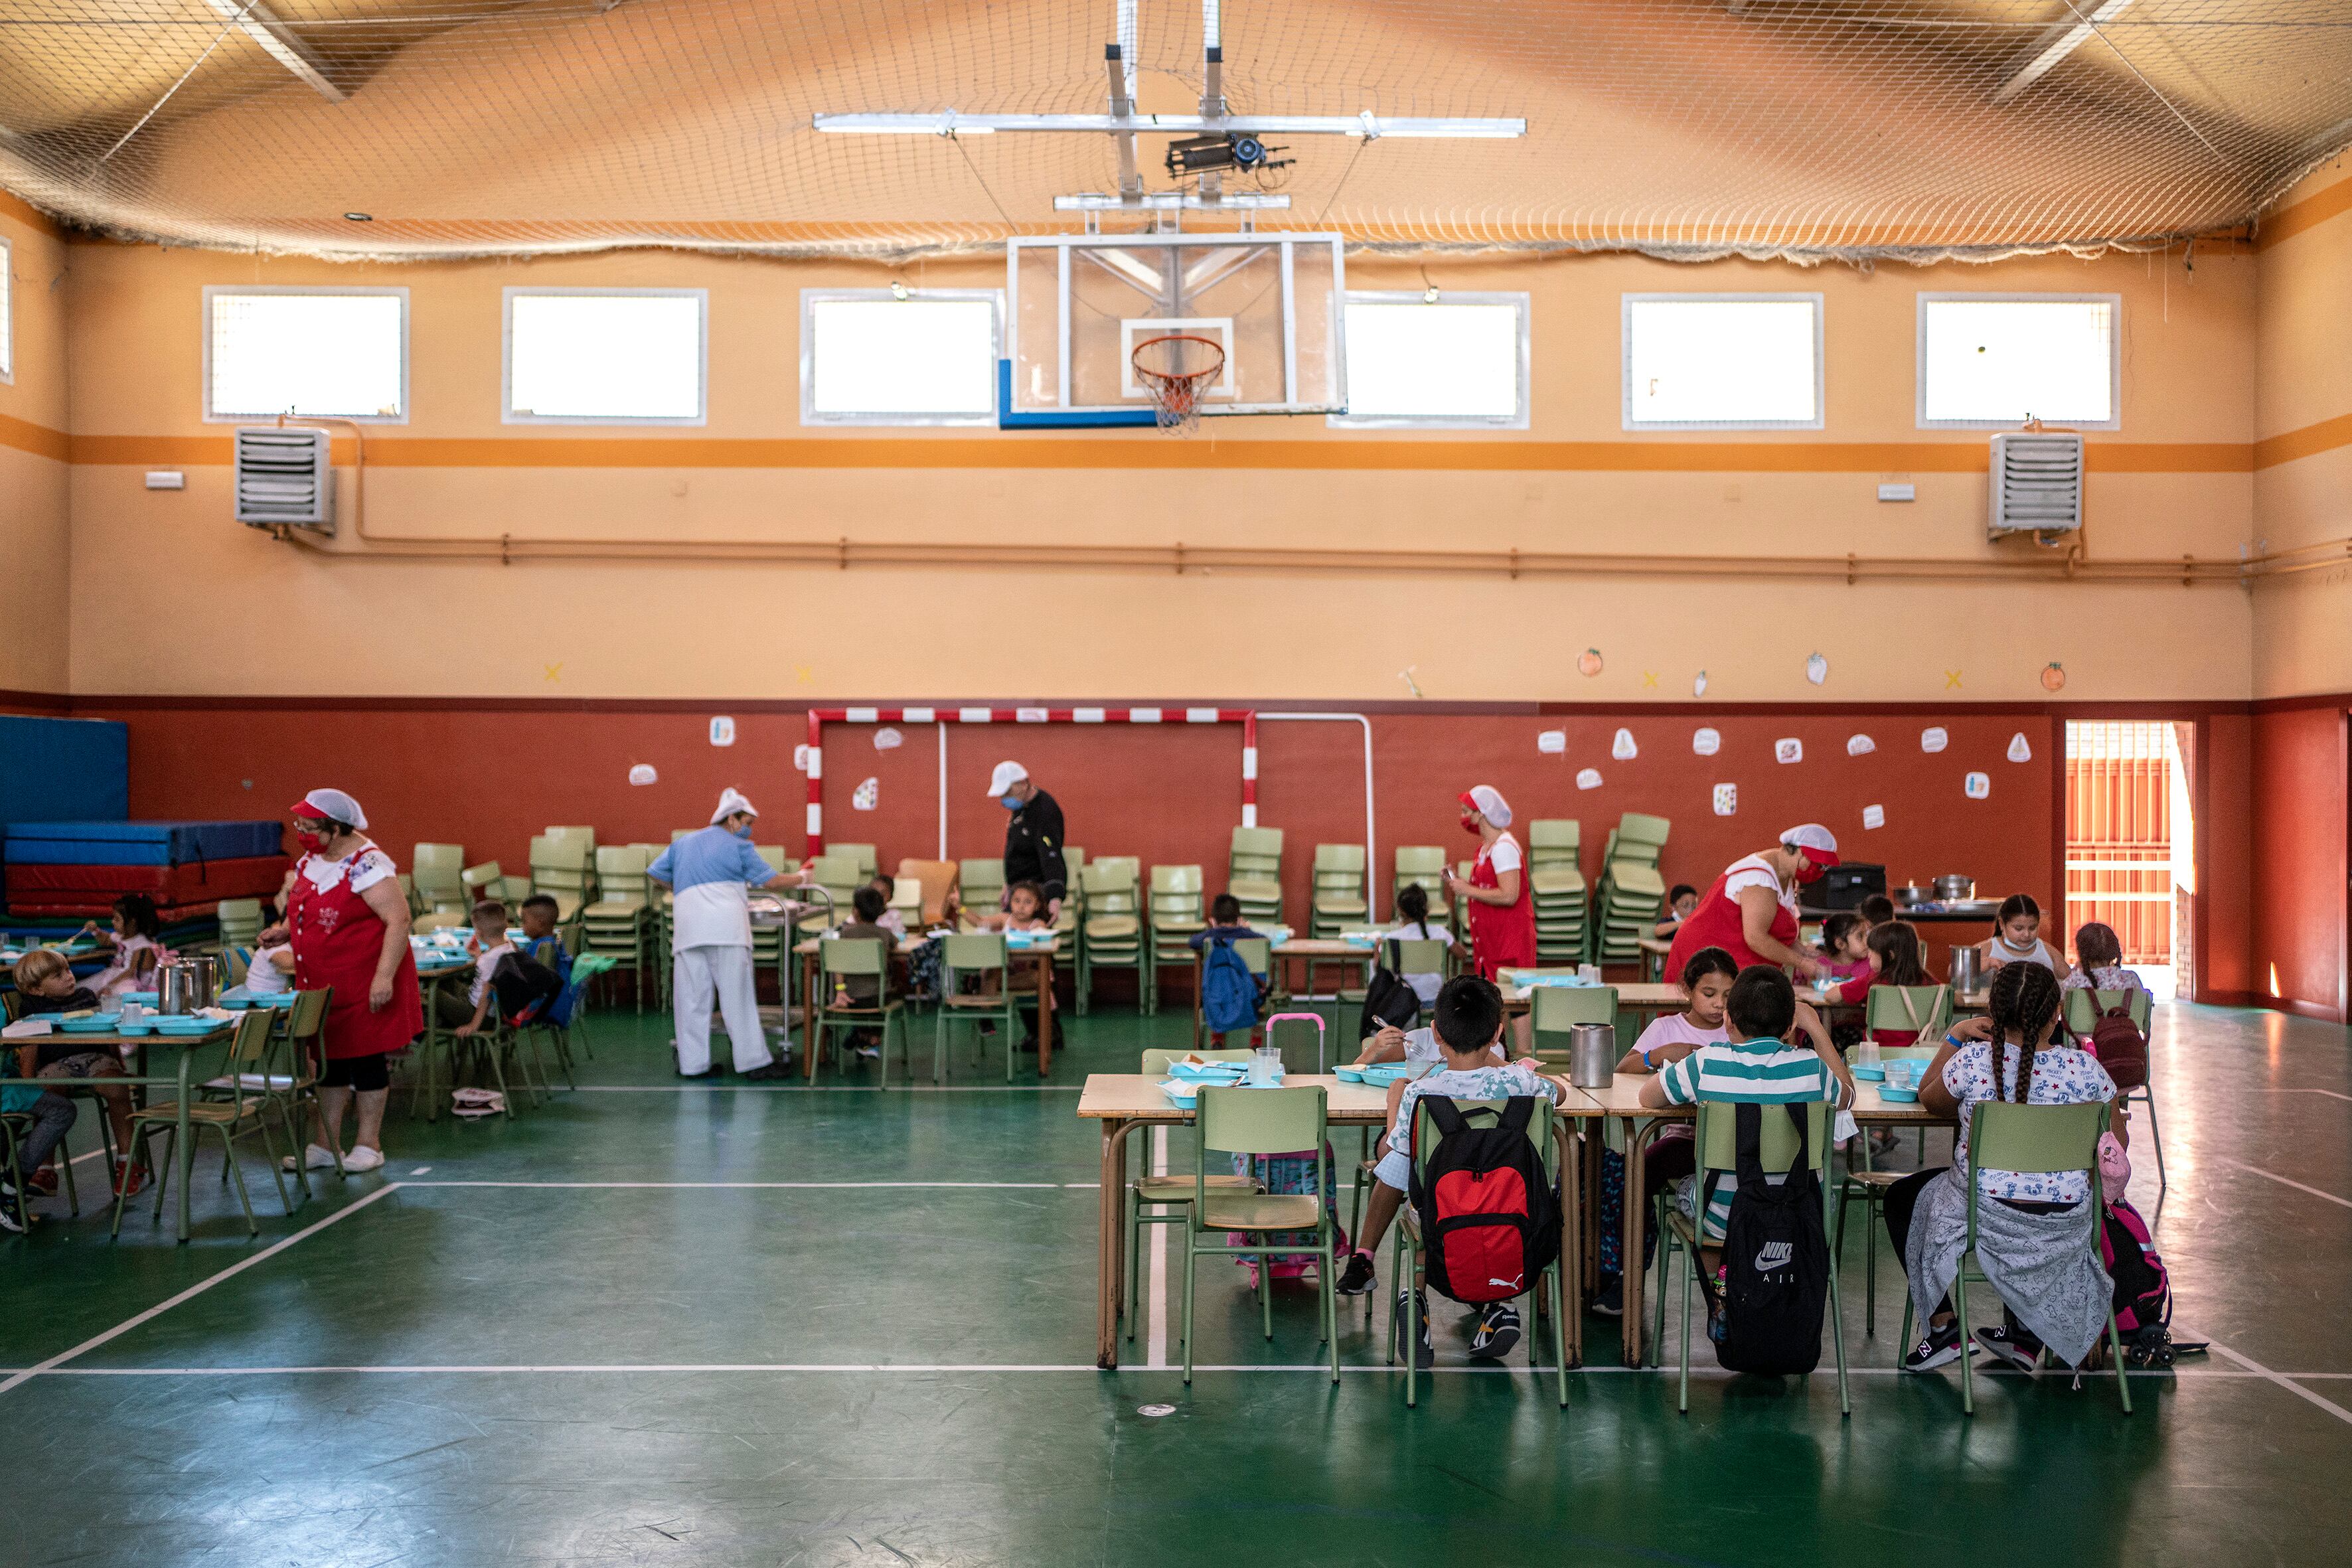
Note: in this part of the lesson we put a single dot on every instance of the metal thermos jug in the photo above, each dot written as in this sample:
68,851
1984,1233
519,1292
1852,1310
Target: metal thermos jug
1593,1055
1968,970
186,982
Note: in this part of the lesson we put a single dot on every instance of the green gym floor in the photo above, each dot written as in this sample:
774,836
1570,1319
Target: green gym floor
660,1323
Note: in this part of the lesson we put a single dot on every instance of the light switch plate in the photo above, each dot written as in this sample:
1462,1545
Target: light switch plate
166,479
1899,493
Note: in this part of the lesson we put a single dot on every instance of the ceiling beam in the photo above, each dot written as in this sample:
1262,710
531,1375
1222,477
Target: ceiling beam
257,22
2054,46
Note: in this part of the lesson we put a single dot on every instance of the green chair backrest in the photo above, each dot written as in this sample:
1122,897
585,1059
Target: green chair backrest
1636,829
2083,1006
1719,1136
239,910
1263,1121
830,871
1256,953
773,854
1175,879
1339,862
1418,957
1558,1008
1258,844
1108,877
1483,1113
622,861
1117,869
1553,832
1423,863
855,956
973,951
435,867
862,853
550,852
1156,1060
481,881
250,1045
1926,1008
678,833
2036,1139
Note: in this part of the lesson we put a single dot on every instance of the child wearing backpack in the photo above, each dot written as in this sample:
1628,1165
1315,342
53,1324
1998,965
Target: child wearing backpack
2099,962
1230,994
1412,925
1469,1026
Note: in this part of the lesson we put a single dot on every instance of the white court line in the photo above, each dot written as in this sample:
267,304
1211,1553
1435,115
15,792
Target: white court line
2258,1370
198,1288
2282,1180
2328,1092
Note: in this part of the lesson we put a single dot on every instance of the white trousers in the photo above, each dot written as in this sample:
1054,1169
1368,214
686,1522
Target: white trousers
699,975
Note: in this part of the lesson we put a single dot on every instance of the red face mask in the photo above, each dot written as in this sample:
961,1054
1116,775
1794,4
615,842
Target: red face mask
1470,825
1810,871
308,837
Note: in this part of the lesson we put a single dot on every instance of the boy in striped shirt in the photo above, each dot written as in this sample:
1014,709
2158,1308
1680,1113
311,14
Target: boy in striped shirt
1758,1065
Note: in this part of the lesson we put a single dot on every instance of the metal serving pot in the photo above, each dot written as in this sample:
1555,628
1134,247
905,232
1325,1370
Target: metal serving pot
187,983
1968,970
1956,889
1913,893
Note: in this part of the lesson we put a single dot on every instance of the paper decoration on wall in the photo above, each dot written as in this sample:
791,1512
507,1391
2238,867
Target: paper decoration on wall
1622,747
1817,670
1552,742
1874,816
1788,749
2053,676
1589,662
1726,799
642,773
1932,739
2020,749
801,754
886,739
1706,743
1588,778
1977,787
722,730
1698,686
869,796
1860,745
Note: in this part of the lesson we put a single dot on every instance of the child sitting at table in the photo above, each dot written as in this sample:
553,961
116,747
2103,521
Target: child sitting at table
1024,909
1876,910
1469,1030
135,943
1680,902
869,905
1757,1064
49,1113
2099,961
270,972
539,942
891,920
1894,959
44,982
1412,925
1845,952
1224,930
2017,937
492,948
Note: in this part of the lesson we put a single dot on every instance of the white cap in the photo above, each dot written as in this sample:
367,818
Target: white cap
1815,836
336,806
731,801
1006,776
1491,804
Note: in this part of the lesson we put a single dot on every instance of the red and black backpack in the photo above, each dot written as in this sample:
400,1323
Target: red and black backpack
1489,1218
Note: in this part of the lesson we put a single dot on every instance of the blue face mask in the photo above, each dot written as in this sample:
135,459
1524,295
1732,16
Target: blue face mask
744,831
1009,802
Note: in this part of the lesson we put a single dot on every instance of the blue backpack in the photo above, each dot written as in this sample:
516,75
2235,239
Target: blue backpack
1228,989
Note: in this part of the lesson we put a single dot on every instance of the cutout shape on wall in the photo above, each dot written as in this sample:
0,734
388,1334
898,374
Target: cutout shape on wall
2053,676
1588,778
801,754
1860,745
1788,749
886,739
722,730
1932,738
867,797
1589,661
1552,742
1874,816
1817,670
1698,686
1726,799
1706,743
1622,747
642,773
2020,749
1977,787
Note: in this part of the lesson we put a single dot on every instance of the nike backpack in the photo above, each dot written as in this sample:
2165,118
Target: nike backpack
1489,1218
1776,1261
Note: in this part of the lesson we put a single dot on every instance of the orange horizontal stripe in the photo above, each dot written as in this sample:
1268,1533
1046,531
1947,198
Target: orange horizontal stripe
2310,212
1022,450
39,440
2309,441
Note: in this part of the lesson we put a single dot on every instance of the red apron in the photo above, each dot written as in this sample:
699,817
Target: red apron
336,941
1502,936
1720,923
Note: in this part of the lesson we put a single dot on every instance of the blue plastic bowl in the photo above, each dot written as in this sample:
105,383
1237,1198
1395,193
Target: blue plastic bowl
1870,1074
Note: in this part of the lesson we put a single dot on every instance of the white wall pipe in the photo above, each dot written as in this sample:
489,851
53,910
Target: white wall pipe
1371,860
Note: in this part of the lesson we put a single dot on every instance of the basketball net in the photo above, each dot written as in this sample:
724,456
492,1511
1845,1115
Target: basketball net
1165,365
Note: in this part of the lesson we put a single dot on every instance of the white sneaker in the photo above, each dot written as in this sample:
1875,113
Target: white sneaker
362,1158
314,1158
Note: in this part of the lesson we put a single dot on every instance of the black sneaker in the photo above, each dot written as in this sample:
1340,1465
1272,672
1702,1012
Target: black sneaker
1940,1348
9,1220
1498,1332
1356,1278
2020,1349
1029,1045
779,1068
1609,1301
1424,1354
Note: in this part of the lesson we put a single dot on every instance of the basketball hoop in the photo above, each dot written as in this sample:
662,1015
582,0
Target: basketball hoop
1164,365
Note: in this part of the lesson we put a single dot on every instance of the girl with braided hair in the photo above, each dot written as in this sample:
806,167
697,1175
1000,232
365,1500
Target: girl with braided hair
2030,1224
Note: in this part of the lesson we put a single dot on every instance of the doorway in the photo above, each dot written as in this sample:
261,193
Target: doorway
2131,854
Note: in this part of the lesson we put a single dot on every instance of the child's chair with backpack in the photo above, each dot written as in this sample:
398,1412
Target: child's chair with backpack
2113,1026
1778,1265
1229,991
1483,1223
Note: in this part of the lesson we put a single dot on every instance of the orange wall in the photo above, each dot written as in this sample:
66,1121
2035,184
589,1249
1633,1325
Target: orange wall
34,543
2299,898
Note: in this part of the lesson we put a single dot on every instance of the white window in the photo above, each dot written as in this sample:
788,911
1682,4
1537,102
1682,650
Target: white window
1989,361
1459,361
883,356
336,352
605,356
1722,362
8,315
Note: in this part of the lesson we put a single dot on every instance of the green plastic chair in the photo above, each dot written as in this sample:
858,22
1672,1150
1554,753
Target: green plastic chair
974,953
1260,1122
1406,1261
870,956
2039,1140
1868,1186
241,1115
1167,1197
2083,1010
1425,864
1718,1150
1559,1008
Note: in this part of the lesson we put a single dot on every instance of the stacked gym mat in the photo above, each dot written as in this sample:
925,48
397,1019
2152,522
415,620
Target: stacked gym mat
66,869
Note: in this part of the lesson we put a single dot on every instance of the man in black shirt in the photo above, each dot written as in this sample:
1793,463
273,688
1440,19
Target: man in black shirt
1033,839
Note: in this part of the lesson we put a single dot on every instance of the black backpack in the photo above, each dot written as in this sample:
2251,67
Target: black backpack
1489,1218
1776,1260
1388,1000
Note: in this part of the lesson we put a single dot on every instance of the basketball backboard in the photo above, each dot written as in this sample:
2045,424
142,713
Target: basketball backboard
1078,305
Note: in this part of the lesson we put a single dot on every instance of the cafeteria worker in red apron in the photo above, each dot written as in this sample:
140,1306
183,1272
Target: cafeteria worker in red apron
1750,912
1502,906
347,922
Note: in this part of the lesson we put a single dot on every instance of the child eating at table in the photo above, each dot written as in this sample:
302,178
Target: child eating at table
271,970
2017,937
44,981
1680,902
135,943
891,920
1469,1029
1024,909
2099,961
1412,925
1845,952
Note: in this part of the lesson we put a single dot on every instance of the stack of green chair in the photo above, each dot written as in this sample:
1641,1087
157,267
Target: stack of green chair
617,924
1253,875
864,854
840,876
1174,914
240,922
1632,890
1563,934
768,943
482,882
1424,864
560,868
437,895
1074,892
1339,900
1111,936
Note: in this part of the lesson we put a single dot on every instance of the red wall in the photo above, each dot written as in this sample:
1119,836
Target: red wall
490,778
2224,812
2297,841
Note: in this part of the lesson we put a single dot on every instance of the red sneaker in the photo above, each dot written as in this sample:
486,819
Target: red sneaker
129,1178
44,1181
